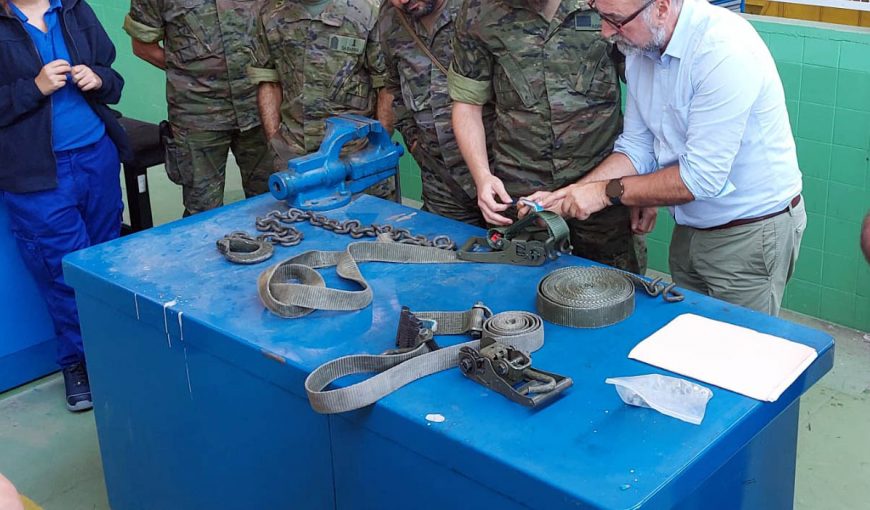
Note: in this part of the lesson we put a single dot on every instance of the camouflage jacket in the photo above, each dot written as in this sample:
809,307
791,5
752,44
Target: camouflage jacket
208,50
326,65
554,84
422,103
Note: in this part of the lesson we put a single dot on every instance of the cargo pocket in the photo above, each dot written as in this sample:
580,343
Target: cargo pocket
597,75
34,258
174,158
511,87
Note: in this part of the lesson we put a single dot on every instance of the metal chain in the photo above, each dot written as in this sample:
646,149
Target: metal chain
276,228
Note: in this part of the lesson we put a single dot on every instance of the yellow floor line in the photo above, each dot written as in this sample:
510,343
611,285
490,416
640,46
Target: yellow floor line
29,504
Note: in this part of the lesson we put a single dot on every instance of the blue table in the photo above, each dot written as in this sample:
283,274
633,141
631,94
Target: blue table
199,395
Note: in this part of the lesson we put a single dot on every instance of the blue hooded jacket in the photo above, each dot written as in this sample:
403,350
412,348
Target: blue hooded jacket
27,161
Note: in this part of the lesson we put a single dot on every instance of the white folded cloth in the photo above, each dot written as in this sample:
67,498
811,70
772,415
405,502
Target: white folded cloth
732,357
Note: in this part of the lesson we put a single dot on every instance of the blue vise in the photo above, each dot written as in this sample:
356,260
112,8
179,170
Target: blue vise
325,180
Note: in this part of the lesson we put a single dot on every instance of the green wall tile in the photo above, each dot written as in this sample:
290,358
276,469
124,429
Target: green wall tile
863,279
854,56
852,127
839,273
657,255
793,109
862,313
821,52
814,235
803,297
815,194
814,157
786,48
664,226
849,165
846,202
817,85
790,74
837,306
841,238
809,265
853,90
816,122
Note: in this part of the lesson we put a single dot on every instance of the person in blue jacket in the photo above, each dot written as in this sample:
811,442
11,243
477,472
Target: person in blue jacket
60,148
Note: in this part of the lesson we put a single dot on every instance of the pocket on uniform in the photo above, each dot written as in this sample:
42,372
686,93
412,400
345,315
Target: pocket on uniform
197,28
33,256
413,102
174,160
510,84
597,76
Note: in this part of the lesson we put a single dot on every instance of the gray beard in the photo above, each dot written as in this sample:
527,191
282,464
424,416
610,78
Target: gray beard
656,43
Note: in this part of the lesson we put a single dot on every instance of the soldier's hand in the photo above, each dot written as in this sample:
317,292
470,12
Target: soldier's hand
643,219
493,198
86,78
52,76
582,200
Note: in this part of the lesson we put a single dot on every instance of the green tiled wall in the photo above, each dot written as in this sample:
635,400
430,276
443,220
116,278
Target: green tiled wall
826,76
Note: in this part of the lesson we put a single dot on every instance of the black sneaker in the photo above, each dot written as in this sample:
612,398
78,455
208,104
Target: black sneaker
78,388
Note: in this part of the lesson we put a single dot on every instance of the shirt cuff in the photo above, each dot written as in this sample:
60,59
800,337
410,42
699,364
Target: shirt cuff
703,186
262,74
142,32
466,90
644,162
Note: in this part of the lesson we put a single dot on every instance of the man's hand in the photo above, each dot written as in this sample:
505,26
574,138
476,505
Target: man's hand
546,199
643,219
488,189
52,76
581,200
86,78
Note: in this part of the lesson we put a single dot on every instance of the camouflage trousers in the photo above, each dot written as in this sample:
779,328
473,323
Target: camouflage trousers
448,199
197,160
606,237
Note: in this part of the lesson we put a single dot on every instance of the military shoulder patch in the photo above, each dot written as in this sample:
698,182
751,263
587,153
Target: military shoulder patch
587,20
346,44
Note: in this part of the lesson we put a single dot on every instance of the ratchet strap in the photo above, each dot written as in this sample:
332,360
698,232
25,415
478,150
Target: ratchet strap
593,297
521,330
534,239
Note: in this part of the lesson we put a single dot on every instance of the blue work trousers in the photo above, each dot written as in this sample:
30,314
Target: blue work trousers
85,209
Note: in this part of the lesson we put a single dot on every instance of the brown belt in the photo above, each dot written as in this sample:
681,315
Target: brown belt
746,221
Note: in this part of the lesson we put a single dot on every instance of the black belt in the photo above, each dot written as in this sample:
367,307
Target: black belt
746,221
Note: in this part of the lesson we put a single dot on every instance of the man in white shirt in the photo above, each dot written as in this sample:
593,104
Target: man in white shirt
706,133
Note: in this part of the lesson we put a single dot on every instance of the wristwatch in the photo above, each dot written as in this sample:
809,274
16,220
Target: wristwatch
614,191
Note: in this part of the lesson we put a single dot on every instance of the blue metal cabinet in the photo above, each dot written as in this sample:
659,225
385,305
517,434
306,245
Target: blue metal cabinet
27,339
199,398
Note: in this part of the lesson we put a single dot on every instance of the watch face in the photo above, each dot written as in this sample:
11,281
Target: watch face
614,188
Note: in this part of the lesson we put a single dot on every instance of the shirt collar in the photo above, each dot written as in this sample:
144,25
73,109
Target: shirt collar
682,32
53,5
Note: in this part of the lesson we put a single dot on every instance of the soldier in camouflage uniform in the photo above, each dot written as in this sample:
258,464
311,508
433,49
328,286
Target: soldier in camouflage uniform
555,87
315,59
423,106
206,50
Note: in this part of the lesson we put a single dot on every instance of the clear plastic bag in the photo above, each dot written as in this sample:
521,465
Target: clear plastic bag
671,396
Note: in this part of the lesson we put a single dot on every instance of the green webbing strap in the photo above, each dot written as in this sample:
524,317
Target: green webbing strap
522,330
593,297
530,241
293,288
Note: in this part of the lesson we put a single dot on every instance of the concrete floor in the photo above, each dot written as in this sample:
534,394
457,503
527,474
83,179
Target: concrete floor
52,456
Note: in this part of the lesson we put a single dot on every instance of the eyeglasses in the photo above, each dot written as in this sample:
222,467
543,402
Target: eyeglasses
628,19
